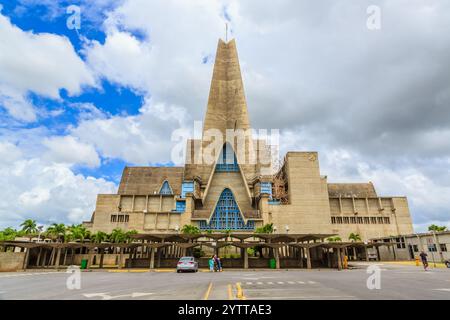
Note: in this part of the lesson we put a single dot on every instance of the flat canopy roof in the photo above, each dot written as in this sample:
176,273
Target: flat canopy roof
273,237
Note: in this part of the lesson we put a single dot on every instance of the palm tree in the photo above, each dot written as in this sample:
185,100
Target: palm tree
29,226
117,236
130,233
354,237
436,228
99,237
78,232
190,229
58,230
334,239
268,228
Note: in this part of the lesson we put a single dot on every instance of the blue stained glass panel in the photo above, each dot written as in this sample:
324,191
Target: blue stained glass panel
227,215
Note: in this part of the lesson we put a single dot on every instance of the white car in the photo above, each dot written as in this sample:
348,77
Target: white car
187,264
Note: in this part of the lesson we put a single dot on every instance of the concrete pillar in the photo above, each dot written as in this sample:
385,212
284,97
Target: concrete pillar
45,258
39,257
58,258
52,258
277,258
119,265
308,258
158,262
72,255
131,256
152,258
102,254
27,257
90,258
301,257
65,256
245,259
339,258
329,258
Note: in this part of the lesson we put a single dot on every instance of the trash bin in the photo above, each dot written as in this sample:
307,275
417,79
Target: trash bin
84,264
272,264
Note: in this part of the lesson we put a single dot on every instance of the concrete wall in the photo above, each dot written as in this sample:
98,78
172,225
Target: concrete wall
395,209
309,208
11,261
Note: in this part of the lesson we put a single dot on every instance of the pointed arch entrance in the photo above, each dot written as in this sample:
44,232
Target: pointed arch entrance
227,215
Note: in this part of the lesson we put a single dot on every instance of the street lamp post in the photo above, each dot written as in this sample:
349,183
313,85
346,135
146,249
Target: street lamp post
40,228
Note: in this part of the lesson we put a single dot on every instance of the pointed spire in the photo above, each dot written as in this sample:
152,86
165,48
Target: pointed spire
227,106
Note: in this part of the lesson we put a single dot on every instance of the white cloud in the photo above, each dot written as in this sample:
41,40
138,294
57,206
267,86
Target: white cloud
142,139
374,104
46,192
70,150
40,63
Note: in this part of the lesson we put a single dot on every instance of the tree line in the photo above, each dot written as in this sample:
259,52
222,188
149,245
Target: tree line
60,232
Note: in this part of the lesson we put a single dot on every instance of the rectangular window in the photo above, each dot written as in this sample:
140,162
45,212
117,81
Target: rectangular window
360,220
187,187
353,220
373,220
366,220
380,220
113,218
180,206
443,247
266,187
339,220
346,220
333,220
387,220
127,218
432,247
416,248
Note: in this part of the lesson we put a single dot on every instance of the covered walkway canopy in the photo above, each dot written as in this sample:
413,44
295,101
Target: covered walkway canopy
300,247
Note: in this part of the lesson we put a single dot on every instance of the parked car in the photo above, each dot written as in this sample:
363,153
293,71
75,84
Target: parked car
447,263
372,256
187,264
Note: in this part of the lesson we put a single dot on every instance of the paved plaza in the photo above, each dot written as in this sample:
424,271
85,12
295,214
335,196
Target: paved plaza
397,282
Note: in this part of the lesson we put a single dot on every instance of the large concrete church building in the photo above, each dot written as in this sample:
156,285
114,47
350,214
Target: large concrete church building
239,190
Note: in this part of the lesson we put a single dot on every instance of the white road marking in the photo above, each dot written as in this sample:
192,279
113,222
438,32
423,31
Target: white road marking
300,282
311,282
306,297
443,289
249,282
270,282
106,296
291,282
280,282
259,283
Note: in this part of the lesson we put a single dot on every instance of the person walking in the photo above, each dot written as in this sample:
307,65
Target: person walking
216,263
219,264
211,264
423,257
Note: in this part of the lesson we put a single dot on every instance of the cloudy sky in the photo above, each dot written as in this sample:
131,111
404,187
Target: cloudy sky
76,105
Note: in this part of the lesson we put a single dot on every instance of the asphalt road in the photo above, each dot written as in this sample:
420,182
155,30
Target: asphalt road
396,282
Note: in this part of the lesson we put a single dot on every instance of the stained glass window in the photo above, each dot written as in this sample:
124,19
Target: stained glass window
166,189
227,215
227,161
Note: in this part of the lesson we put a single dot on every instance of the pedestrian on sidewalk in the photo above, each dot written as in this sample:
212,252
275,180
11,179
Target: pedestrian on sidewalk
423,257
211,264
